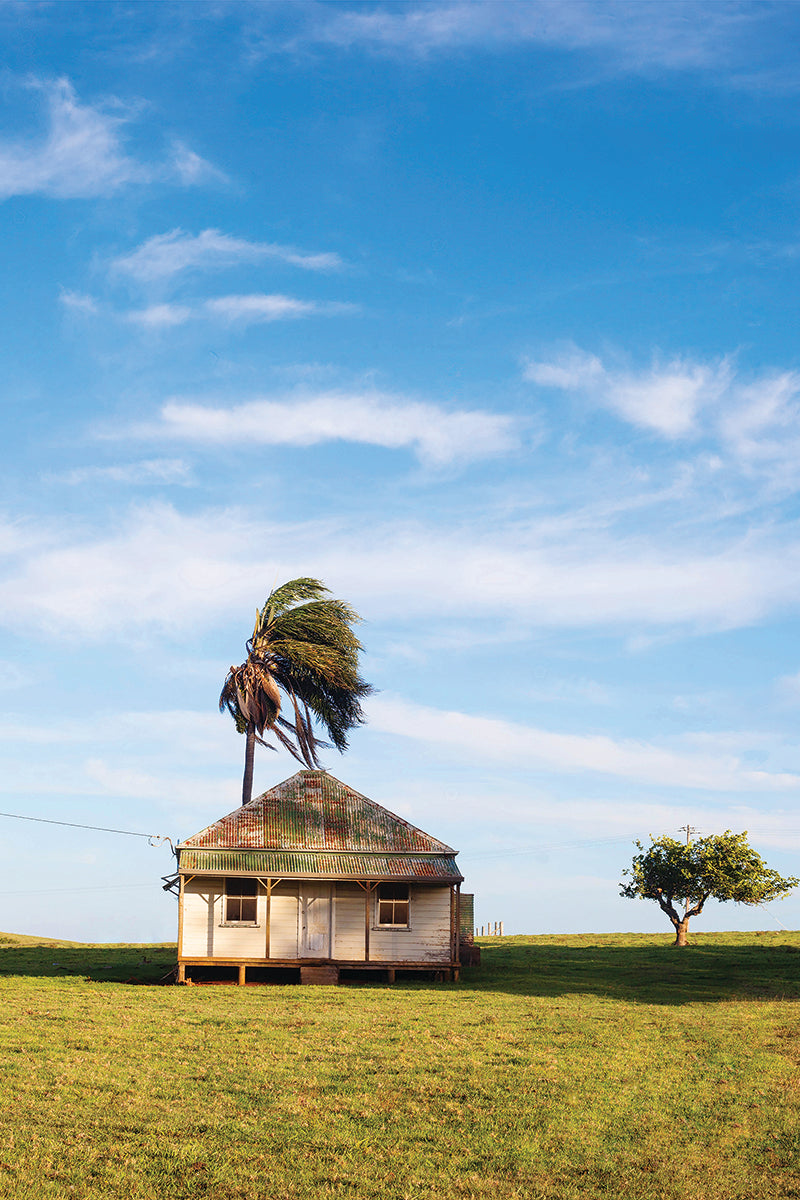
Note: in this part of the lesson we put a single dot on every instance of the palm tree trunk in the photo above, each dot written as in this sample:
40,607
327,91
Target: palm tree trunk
249,755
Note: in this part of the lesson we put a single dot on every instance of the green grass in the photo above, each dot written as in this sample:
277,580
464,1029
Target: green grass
565,1067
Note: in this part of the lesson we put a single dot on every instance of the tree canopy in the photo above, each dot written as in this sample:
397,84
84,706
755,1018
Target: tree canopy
303,650
720,867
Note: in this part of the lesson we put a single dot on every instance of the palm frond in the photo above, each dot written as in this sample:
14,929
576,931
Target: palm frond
291,746
304,647
328,622
285,597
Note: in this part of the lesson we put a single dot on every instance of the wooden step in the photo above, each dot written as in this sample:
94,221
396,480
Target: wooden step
326,974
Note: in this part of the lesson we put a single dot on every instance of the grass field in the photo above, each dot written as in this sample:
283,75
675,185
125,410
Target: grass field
564,1067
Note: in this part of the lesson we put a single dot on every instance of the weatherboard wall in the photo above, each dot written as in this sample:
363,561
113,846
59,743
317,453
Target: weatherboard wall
427,939
206,935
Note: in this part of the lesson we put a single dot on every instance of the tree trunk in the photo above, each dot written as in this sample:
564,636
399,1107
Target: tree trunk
249,755
681,931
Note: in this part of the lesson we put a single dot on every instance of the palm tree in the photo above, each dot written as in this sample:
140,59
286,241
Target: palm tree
303,649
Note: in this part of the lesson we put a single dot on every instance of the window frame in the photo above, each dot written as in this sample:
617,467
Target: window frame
379,925
233,881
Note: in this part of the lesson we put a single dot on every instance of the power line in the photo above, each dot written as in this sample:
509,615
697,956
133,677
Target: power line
543,847
155,839
584,843
105,887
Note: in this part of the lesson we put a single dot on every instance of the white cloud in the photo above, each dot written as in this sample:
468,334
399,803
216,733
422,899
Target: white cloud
190,169
153,470
78,301
160,316
570,372
242,310
170,254
191,758
632,36
183,731
527,820
122,781
178,758
755,420
762,422
261,307
604,821
437,436
474,738
159,570
140,570
81,154
666,399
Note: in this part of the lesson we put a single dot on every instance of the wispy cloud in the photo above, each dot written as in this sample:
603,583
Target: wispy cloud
158,569
259,306
254,309
187,757
81,153
190,169
753,419
78,301
666,398
12,676
438,436
152,470
476,738
160,316
725,37
169,254
762,425
524,815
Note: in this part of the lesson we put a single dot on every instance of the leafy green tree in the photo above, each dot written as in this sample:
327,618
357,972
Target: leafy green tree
684,875
303,650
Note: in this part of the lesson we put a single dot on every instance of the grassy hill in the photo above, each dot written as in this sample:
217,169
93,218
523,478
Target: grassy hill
565,1067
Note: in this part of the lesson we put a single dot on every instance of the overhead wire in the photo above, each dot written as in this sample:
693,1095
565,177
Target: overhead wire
154,839
582,843
544,847
107,887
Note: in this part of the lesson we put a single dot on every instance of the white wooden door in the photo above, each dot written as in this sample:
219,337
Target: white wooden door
315,920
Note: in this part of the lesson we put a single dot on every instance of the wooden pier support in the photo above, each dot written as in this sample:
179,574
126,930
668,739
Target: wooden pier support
319,974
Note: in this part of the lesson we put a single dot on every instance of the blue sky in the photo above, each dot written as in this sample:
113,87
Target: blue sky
484,314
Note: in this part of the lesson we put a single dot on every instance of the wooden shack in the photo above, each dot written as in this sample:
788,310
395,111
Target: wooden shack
312,880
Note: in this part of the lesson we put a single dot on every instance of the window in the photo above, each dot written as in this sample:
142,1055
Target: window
393,903
241,901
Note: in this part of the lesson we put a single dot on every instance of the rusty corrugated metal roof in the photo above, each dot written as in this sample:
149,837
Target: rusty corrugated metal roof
315,811
320,864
